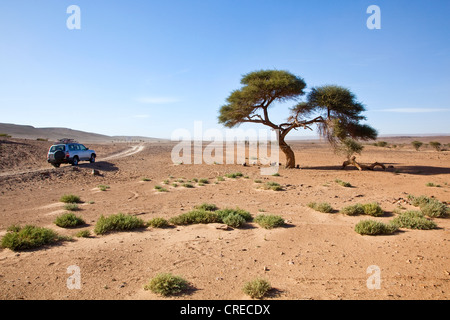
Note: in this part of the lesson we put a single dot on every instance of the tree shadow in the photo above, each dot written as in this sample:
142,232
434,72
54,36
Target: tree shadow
413,170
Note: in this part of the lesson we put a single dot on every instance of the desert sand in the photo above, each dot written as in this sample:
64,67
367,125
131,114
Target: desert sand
314,256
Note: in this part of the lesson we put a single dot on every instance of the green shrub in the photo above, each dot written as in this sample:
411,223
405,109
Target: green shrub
234,220
353,210
270,185
194,216
434,209
167,284
372,209
418,201
257,181
276,174
343,183
417,144
18,238
206,206
188,185
146,179
223,213
117,222
321,207
371,227
158,223
68,220
83,234
257,289
71,207
413,220
103,187
435,144
234,175
160,189
204,181
70,198
220,178
269,221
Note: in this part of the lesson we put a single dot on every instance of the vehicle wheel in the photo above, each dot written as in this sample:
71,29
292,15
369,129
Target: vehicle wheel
75,161
92,159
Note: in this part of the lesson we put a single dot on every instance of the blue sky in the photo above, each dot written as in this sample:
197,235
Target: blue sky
151,67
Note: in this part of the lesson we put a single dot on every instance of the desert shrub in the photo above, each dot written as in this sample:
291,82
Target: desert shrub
257,181
195,216
343,183
68,220
146,179
207,207
434,209
21,238
371,227
167,284
270,185
353,210
160,189
234,175
418,201
413,220
83,234
417,144
233,220
158,223
269,221
223,213
103,187
372,209
276,174
117,222
257,288
435,144
380,144
220,178
188,185
204,181
71,207
321,207
70,198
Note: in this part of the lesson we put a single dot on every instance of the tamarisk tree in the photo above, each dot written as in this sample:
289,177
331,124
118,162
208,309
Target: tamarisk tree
333,110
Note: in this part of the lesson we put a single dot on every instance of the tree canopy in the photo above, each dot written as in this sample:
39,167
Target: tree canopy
333,109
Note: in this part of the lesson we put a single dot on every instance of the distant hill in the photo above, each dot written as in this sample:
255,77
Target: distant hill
53,134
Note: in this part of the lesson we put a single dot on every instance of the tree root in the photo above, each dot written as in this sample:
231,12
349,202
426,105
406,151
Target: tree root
352,161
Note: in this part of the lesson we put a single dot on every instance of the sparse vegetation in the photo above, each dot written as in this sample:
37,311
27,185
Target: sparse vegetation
413,220
353,210
167,284
417,144
343,183
372,227
223,213
321,207
160,189
117,222
194,216
83,234
70,198
257,181
146,179
207,207
371,209
430,207
234,175
270,185
71,207
432,184
68,220
158,223
234,220
436,145
22,238
257,288
381,144
188,185
220,178
269,221
103,187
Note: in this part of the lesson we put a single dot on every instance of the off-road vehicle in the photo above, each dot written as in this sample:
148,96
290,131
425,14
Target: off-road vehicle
69,151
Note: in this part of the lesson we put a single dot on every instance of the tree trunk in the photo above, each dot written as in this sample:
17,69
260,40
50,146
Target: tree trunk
290,156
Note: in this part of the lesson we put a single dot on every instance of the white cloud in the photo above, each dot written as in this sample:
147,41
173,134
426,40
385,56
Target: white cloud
413,110
157,100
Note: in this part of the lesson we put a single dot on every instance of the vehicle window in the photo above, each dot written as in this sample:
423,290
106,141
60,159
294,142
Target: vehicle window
82,148
71,147
57,148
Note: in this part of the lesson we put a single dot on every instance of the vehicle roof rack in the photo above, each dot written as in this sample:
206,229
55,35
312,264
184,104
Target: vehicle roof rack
66,140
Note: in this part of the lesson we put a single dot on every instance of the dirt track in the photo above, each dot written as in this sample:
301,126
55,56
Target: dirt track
315,256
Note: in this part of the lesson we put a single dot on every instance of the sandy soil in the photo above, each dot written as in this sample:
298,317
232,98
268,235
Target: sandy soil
315,256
